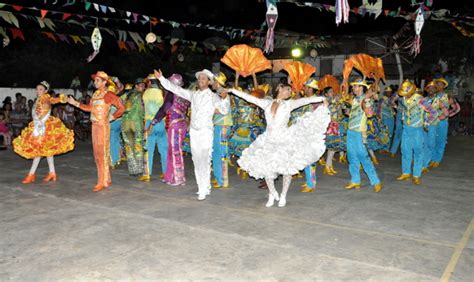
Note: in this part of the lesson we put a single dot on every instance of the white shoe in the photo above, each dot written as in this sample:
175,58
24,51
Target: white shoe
208,192
201,197
282,202
271,200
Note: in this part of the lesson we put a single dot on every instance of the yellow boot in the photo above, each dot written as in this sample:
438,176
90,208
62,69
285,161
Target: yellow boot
331,168
433,165
378,187
404,176
416,180
353,186
425,170
392,155
322,162
327,171
343,159
244,175
145,178
306,189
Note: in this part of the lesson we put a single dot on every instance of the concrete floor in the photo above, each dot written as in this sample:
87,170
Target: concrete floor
137,231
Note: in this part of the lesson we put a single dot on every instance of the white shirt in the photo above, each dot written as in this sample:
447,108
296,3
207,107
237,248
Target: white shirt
204,103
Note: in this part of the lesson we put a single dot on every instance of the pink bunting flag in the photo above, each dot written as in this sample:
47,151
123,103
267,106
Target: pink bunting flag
16,33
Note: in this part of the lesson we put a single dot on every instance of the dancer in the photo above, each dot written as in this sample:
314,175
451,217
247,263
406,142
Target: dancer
99,106
282,149
46,136
441,105
356,149
132,128
334,141
386,111
414,119
204,103
153,99
174,108
220,152
116,128
310,87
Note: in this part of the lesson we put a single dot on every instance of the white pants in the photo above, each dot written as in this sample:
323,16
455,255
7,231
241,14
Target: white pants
201,150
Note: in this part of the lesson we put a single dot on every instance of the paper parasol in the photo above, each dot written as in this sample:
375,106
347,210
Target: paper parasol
329,81
299,73
367,65
246,60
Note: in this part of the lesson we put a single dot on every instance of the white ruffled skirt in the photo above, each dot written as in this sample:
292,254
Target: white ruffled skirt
290,149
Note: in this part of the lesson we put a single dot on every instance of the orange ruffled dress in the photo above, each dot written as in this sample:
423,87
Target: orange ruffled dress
52,139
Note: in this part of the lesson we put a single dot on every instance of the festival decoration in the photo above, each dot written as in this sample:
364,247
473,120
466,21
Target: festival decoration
246,60
298,73
419,21
96,40
342,11
271,18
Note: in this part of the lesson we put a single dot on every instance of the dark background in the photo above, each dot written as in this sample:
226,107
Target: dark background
38,58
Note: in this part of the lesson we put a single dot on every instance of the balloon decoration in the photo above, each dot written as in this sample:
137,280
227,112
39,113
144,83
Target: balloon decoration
246,60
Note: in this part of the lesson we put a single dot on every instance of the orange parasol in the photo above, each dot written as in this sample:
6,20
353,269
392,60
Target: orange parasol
367,65
299,73
329,81
246,60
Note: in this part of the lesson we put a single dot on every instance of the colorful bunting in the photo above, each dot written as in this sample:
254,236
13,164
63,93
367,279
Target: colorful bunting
122,45
50,35
17,33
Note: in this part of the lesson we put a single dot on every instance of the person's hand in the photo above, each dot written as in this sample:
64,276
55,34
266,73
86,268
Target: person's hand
158,73
148,129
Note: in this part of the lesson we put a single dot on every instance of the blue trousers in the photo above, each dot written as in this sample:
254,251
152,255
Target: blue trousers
397,135
115,143
220,154
158,138
412,150
357,155
310,175
390,123
440,141
429,144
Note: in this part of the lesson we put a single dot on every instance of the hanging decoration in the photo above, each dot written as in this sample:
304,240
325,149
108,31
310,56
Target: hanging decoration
96,40
415,45
342,11
271,18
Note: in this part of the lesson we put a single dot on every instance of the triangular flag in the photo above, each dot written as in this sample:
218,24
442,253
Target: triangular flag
40,22
69,3
112,9
18,8
49,23
135,17
141,47
122,45
43,13
50,35
66,15
62,37
87,5
96,6
77,39
16,33
103,8
127,20
154,21
356,10
385,12
147,18
14,20
129,13
6,16
131,45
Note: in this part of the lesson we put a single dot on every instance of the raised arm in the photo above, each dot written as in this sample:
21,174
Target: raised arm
84,107
305,101
168,85
262,103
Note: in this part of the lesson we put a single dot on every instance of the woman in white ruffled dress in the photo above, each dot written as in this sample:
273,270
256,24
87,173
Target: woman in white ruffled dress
284,149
